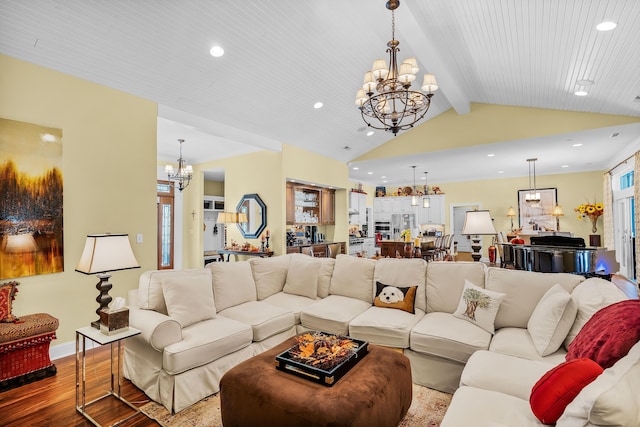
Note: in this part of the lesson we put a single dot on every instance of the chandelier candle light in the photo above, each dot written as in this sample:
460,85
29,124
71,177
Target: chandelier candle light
184,174
533,196
386,99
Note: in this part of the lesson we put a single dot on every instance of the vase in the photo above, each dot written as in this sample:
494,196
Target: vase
594,228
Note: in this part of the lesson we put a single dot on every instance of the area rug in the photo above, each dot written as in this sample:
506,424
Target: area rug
427,410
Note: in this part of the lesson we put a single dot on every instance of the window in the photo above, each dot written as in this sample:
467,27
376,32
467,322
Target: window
626,180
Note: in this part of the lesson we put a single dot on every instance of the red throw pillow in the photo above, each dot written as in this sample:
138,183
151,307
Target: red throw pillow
558,387
609,335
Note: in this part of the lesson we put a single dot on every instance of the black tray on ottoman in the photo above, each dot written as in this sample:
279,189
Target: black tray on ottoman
286,362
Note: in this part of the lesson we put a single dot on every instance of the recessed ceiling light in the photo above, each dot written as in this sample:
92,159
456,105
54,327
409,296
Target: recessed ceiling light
491,155
564,166
606,26
216,51
369,173
577,144
581,93
383,177
356,168
370,133
318,105
384,182
500,171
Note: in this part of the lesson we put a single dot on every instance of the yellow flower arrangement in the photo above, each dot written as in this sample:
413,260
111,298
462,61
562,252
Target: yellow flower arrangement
406,235
593,211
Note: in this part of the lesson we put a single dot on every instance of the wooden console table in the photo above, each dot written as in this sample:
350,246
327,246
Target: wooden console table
229,252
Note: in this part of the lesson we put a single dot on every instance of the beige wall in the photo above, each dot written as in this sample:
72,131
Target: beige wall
109,167
214,188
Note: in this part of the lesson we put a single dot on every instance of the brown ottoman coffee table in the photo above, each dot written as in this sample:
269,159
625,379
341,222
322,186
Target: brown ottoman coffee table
375,392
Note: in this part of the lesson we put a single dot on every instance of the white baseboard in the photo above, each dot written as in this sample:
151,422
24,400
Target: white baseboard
67,349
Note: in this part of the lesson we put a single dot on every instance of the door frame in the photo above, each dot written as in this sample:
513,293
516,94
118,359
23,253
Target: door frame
452,225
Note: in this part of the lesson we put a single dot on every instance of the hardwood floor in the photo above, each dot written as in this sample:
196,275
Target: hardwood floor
51,401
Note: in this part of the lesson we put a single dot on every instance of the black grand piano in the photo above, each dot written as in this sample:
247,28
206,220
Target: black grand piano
551,254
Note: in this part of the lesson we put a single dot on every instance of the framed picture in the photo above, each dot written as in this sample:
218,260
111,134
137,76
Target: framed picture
537,216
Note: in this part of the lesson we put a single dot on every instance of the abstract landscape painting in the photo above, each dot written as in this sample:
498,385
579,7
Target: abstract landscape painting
31,226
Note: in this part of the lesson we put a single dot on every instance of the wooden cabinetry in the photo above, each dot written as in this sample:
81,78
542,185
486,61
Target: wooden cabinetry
306,205
328,208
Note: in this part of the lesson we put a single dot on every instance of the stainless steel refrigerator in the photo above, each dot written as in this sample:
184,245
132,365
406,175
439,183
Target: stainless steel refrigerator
401,222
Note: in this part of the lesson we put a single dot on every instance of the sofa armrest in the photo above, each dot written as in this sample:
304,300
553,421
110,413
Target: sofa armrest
159,330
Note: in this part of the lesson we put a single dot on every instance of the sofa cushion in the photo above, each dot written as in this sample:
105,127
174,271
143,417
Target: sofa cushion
443,335
479,306
559,386
324,276
292,303
445,281
233,284
517,342
189,300
610,400
391,328
353,277
551,320
150,295
523,290
332,314
493,371
265,319
269,274
204,342
590,296
302,277
404,273
609,334
395,297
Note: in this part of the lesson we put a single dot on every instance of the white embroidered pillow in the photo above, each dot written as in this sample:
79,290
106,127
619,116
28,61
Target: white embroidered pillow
479,306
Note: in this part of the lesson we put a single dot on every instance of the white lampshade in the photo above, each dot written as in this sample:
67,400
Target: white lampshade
414,200
511,212
429,84
360,98
477,223
557,211
242,218
369,82
414,65
426,203
106,252
227,218
406,75
188,170
379,69
168,169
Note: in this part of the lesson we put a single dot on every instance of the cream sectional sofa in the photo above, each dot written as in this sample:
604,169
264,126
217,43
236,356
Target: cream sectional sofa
198,324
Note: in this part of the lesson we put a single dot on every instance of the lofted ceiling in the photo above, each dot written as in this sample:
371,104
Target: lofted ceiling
282,56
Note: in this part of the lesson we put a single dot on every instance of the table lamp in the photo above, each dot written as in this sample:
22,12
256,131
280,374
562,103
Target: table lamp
557,212
102,254
510,214
477,223
230,218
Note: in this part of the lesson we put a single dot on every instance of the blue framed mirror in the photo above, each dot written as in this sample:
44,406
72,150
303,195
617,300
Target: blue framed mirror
256,216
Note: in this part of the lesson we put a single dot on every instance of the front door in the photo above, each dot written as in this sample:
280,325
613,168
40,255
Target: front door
463,243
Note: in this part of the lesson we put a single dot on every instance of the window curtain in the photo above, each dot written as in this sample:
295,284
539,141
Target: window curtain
609,238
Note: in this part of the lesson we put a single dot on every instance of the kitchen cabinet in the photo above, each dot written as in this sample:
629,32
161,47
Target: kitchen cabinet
435,214
291,206
328,208
357,208
382,205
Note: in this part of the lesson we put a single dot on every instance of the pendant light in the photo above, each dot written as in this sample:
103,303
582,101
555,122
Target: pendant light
414,197
532,196
426,203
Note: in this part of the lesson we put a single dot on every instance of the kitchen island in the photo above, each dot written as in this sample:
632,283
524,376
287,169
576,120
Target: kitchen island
391,248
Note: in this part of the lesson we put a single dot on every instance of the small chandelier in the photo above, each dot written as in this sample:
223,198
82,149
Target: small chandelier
426,203
386,100
184,174
533,195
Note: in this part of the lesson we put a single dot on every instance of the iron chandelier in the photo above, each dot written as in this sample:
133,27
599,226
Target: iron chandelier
183,176
386,100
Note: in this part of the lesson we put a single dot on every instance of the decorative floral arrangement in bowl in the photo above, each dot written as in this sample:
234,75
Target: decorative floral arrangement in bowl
593,211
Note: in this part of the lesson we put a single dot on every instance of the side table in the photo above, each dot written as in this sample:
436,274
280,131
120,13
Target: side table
88,332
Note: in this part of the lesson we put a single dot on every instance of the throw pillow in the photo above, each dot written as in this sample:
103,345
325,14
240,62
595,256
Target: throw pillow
302,277
611,399
551,320
7,295
188,302
609,334
353,277
558,387
395,297
269,274
479,306
233,284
